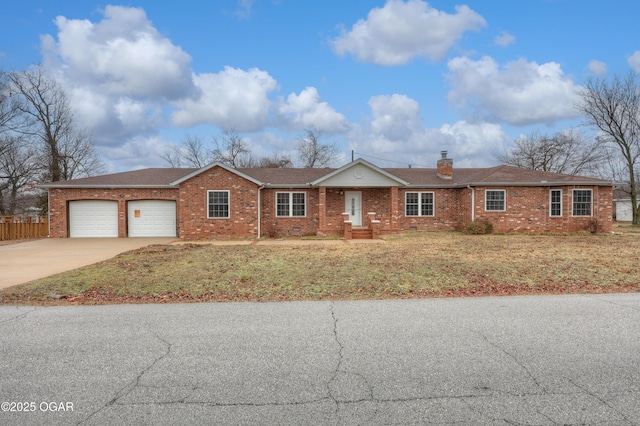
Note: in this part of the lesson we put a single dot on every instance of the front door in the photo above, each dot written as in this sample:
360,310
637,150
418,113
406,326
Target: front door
353,206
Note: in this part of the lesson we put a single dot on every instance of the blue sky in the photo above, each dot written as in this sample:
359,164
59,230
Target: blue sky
395,81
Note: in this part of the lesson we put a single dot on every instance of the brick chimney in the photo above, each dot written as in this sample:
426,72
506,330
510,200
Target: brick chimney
445,166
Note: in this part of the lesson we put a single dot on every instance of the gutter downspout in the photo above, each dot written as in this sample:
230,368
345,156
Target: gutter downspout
473,203
49,212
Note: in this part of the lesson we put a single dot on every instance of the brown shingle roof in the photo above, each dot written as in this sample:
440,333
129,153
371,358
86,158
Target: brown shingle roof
137,178
499,175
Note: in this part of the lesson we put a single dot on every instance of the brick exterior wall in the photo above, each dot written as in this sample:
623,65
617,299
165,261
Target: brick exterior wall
274,226
527,208
192,219
446,206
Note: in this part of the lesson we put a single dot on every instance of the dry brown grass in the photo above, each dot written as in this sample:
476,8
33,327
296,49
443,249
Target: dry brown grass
404,266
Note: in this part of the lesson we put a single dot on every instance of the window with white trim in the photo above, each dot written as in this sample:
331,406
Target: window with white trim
555,202
418,204
218,204
494,200
291,204
582,199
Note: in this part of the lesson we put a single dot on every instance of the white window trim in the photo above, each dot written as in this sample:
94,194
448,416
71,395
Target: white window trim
561,203
573,193
228,203
291,203
433,197
504,199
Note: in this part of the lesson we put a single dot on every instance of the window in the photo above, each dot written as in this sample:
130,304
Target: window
290,204
218,204
495,200
582,202
555,202
419,204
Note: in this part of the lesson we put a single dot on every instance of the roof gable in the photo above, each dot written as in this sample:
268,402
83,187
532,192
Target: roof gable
211,166
359,173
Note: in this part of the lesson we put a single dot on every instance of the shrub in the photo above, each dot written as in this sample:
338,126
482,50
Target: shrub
479,226
594,226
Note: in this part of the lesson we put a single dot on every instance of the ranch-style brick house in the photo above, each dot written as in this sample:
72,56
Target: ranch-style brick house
358,200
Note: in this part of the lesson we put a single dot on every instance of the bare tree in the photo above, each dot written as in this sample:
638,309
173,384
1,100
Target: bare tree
613,108
46,117
78,157
568,152
173,156
314,154
17,169
191,152
231,150
194,152
9,110
276,161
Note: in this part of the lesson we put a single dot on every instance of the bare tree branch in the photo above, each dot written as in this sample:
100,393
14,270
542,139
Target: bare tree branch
45,116
568,152
613,108
314,154
231,150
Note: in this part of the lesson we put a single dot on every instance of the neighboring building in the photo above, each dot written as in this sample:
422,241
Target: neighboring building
356,200
623,210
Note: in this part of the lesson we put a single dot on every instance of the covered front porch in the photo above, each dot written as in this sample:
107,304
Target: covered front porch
359,200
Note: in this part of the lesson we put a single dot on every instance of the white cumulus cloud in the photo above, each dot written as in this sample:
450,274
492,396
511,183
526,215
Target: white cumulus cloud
634,61
231,99
598,68
307,111
517,93
396,136
505,39
122,55
401,31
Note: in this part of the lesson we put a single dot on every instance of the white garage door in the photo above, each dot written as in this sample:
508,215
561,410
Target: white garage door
93,219
152,218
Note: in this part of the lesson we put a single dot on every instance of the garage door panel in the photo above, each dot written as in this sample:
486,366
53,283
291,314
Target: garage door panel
93,218
151,218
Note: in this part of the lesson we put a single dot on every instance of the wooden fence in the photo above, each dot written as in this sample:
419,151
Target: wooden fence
23,228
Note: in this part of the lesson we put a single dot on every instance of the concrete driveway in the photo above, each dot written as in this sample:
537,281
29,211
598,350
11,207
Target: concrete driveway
23,262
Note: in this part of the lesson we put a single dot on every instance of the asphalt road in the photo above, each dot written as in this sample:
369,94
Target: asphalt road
499,360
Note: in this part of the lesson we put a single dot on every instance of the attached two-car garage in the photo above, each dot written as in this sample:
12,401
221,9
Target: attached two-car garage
99,218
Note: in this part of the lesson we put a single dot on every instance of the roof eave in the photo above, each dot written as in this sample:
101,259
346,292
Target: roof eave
101,186
541,183
286,185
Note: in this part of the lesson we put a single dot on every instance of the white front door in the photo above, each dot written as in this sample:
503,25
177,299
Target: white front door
353,206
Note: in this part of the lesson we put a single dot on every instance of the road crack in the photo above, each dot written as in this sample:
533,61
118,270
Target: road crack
18,317
344,379
135,383
515,359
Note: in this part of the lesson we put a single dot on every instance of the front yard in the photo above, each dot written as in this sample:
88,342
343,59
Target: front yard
409,265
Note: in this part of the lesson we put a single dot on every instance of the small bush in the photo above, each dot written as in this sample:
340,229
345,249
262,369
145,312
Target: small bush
595,226
479,226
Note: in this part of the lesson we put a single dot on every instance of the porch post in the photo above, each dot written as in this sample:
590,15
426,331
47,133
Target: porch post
322,210
395,211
